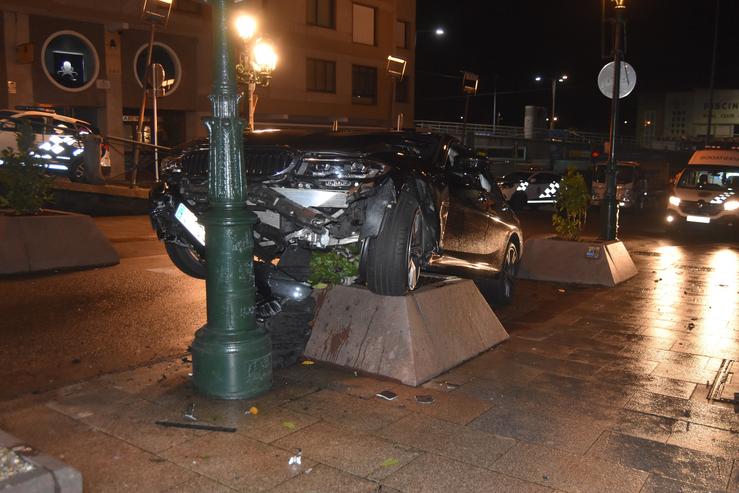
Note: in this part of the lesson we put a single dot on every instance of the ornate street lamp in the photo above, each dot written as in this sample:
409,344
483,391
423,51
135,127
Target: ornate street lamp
231,354
257,61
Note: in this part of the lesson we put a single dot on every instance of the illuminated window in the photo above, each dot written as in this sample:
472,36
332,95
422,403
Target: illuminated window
320,75
70,61
321,13
363,25
167,58
364,85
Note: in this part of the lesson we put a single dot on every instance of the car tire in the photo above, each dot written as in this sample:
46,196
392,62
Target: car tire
518,201
499,291
187,260
394,257
290,330
76,172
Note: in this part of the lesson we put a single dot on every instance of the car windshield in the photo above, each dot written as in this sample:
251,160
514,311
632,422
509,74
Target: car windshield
624,174
710,178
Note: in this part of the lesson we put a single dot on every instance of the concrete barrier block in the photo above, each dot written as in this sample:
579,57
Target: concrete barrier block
596,263
410,338
58,240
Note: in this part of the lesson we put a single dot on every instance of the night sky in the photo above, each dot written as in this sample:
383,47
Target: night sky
669,44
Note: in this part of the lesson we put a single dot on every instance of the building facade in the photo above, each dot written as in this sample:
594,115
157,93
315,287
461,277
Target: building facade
88,59
682,117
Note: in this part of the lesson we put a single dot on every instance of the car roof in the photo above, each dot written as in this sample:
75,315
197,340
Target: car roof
340,140
55,116
715,157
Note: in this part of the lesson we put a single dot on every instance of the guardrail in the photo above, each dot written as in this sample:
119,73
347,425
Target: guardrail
508,131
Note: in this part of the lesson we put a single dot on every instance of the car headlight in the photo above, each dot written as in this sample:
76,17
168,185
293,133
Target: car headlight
341,168
674,200
731,205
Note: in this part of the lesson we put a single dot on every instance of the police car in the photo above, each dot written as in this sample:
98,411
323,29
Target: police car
57,138
538,189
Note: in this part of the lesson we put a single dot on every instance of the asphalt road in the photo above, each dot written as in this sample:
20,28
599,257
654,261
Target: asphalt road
60,328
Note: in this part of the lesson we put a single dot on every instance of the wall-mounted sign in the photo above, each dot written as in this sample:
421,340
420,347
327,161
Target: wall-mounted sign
70,61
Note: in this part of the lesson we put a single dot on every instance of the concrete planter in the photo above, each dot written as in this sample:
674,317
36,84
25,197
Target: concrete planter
50,241
587,262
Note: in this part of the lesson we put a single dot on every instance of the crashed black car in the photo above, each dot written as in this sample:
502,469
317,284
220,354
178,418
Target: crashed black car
402,201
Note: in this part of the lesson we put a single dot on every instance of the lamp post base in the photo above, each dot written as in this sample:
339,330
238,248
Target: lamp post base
231,366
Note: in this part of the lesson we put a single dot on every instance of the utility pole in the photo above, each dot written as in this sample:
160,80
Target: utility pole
231,355
609,209
554,98
713,74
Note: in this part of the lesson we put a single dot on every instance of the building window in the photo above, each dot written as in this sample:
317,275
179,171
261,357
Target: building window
321,13
401,34
70,61
364,85
166,57
321,75
401,90
363,24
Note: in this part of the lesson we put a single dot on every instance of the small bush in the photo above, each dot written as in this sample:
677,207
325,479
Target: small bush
332,268
571,206
24,185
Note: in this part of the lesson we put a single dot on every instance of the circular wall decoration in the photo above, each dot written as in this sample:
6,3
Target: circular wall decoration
166,57
70,61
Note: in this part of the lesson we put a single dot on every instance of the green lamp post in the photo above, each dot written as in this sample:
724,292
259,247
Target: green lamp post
231,355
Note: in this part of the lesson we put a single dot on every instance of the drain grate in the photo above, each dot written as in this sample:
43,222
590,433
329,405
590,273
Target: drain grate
725,387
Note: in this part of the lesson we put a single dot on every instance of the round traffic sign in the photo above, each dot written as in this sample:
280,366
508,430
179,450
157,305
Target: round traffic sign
628,80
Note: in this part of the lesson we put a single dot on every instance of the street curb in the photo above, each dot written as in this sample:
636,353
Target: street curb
60,240
50,473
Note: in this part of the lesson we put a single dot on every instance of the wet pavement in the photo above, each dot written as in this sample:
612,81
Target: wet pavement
598,389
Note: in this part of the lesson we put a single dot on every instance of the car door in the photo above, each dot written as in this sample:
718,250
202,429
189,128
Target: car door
468,234
543,188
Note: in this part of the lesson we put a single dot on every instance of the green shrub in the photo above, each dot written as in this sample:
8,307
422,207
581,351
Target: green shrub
24,184
572,206
332,267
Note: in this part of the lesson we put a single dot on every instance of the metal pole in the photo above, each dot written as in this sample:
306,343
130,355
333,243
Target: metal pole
392,100
495,103
251,88
554,97
155,125
464,124
142,109
609,210
713,74
231,355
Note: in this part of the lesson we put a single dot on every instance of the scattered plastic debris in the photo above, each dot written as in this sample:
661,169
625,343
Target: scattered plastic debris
308,362
452,386
424,399
252,410
186,360
561,290
390,462
308,471
195,426
12,463
387,395
289,425
190,412
297,458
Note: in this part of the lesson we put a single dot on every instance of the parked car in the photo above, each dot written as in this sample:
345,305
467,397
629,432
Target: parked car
514,177
58,140
403,201
538,189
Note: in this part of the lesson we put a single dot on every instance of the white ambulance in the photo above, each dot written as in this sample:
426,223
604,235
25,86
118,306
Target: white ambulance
706,192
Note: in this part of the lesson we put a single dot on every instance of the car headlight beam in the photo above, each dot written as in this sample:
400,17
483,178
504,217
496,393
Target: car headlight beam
674,200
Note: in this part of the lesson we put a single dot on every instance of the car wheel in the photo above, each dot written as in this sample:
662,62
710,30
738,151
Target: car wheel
290,330
76,171
518,201
499,291
394,256
187,260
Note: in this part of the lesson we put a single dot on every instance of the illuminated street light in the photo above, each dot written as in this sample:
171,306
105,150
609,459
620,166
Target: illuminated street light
257,61
561,79
396,69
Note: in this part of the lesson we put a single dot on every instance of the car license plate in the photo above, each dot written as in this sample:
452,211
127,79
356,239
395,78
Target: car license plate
190,221
698,219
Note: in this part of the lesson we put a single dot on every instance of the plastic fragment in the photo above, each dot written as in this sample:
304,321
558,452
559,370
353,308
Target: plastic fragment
252,410
390,462
297,458
387,395
308,362
190,412
289,425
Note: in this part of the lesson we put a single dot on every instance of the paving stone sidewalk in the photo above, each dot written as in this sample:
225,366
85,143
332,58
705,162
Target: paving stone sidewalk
597,390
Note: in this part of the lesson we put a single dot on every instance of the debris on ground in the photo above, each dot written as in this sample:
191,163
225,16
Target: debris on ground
12,464
186,360
452,386
561,290
387,395
195,426
691,326
190,412
308,362
297,458
424,399
289,425
162,378
390,462
252,410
